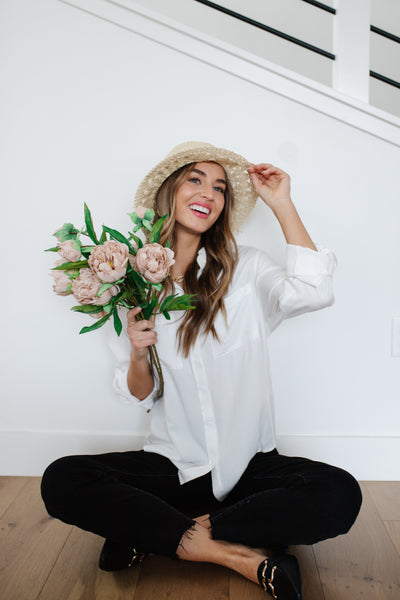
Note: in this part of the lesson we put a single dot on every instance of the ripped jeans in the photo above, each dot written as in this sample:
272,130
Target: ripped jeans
135,498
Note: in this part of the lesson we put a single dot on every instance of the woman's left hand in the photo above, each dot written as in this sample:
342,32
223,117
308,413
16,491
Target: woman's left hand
271,184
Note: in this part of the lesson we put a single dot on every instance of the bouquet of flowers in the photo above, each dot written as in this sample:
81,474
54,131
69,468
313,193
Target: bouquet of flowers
116,270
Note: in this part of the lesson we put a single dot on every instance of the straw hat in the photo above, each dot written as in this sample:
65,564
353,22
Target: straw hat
192,152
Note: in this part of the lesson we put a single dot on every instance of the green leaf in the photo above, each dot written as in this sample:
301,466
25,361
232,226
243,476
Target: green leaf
177,302
103,237
117,322
136,239
116,235
66,232
157,286
137,227
89,225
166,314
148,310
86,250
149,214
155,234
74,274
96,325
147,224
103,288
53,249
87,308
68,289
118,297
134,217
79,264
108,308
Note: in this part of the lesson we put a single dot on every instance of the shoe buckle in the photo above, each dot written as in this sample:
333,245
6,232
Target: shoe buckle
136,557
270,582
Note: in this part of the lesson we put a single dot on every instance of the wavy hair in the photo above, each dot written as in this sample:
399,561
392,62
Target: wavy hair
221,259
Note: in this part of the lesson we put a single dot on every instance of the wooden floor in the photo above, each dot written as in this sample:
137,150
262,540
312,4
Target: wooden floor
44,559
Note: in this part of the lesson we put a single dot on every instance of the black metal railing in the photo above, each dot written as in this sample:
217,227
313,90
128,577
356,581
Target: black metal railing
302,43
269,29
322,6
393,38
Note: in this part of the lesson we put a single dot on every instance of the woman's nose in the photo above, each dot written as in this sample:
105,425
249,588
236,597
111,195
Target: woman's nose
207,192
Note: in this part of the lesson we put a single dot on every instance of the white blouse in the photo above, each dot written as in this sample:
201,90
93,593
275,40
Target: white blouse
216,412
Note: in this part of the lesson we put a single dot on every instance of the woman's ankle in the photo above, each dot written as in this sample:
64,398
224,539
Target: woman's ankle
203,520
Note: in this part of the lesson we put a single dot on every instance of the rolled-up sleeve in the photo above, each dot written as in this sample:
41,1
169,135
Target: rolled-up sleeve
304,286
120,385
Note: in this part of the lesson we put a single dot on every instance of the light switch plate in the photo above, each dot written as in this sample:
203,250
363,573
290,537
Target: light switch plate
395,336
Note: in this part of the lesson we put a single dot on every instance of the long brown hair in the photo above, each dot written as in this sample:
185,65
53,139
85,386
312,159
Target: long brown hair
221,252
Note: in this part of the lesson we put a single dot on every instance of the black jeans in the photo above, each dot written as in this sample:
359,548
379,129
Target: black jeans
135,498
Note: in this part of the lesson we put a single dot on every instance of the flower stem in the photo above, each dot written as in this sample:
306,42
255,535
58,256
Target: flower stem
154,359
155,364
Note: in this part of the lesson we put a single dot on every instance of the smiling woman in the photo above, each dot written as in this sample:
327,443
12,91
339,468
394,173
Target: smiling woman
201,195
209,484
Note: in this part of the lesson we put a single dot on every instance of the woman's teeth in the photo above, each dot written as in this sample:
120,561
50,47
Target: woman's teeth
199,208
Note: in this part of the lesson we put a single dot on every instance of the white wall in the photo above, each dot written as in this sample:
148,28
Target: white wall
88,108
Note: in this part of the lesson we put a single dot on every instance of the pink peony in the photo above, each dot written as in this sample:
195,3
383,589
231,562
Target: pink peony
108,261
140,210
67,251
61,282
86,286
153,261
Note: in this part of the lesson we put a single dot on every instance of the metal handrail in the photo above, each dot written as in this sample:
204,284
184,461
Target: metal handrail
299,42
267,28
384,79
322,6
386,34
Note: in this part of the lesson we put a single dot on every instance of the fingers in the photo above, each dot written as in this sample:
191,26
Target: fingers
141,333
131,314
260,167
264,169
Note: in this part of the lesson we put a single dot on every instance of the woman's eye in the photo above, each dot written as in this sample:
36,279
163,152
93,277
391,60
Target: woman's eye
194,180
219,189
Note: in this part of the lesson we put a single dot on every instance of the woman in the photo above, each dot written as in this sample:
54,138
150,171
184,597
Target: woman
209,484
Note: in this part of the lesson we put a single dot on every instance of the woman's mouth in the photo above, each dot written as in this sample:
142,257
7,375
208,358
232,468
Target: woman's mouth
200,210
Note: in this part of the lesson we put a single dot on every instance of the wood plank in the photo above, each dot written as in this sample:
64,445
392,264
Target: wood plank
163,577
362,563
312,588
243,589
10,487
31,544
76,575
393,529
386,496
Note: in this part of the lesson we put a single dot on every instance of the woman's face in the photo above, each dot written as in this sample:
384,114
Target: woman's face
200,198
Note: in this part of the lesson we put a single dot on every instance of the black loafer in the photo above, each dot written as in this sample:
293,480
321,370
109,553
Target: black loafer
280,577
115,557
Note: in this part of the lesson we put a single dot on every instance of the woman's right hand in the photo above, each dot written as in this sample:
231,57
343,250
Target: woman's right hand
141,334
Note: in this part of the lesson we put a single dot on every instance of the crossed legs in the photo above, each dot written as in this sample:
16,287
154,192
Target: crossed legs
197,545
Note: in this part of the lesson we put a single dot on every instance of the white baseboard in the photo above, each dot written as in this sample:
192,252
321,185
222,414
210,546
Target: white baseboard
366,457
30,452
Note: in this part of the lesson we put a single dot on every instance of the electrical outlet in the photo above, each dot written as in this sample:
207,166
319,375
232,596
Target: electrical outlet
395,336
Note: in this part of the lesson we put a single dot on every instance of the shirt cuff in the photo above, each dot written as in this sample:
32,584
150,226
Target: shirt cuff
120,384
308,265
